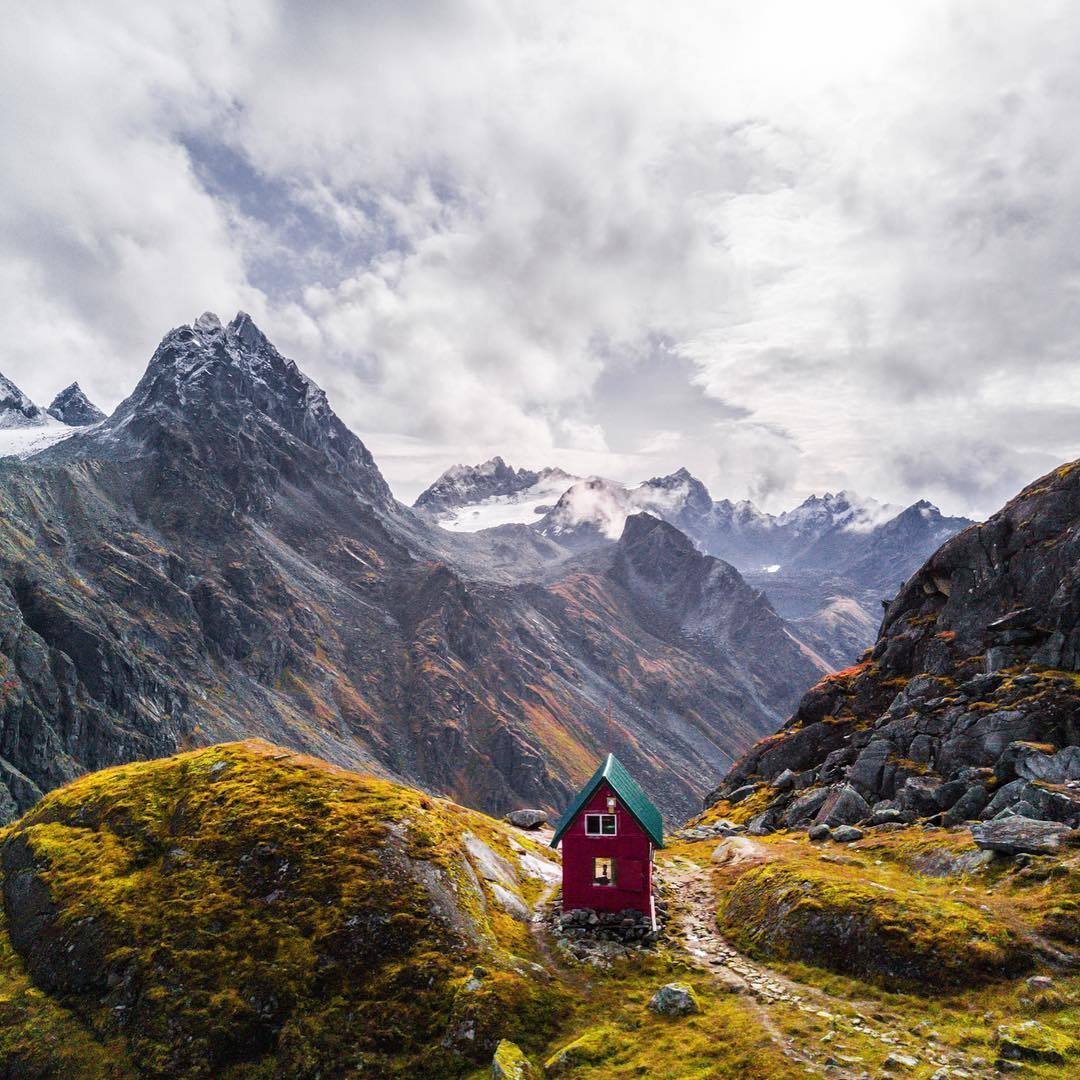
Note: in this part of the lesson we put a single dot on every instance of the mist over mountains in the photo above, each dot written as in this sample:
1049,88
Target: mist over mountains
826,564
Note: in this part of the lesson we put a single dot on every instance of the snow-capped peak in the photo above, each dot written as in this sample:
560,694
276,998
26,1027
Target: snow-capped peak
16,409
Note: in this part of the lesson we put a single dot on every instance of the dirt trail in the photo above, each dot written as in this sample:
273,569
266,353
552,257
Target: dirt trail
694,929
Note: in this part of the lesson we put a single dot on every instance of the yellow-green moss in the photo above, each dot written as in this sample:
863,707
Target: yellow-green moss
826,914
252,906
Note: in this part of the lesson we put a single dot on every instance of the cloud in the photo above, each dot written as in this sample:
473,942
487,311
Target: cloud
829,245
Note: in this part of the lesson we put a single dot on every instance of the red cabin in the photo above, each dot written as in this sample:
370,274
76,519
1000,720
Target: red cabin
608,836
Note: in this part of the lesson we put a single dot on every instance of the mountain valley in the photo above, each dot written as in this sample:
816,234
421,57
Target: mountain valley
222,558
826,566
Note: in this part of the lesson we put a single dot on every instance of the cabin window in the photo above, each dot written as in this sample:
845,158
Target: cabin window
603,871
599,824
611,806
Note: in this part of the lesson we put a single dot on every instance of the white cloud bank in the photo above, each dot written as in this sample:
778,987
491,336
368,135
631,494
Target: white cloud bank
847,231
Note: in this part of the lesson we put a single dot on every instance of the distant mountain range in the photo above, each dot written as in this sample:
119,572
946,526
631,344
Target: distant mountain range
26,428
826,565
222,557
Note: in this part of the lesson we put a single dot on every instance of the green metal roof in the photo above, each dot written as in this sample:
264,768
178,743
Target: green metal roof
632,797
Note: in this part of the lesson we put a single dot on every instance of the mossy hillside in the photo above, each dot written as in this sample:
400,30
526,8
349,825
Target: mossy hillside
962,1018
778,910
241,908
865,910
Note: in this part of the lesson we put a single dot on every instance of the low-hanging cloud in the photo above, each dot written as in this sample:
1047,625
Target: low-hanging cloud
846,231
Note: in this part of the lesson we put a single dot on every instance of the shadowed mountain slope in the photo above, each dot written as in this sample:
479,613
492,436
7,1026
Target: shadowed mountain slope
967,707
221,558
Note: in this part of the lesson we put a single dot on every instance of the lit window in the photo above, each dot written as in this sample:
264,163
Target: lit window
611,806
599,824
603,872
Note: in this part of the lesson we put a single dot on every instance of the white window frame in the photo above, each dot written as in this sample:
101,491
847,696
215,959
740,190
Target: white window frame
610,860
600,825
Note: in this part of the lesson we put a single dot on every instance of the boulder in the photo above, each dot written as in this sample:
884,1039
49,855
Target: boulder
846,834
509,1063
675,999
526,819
844,806
968,807
866,772
1033,763
897,1062
1016,834
919,795
819,832
741,793
806,806
1004,797
786,780
1032,1041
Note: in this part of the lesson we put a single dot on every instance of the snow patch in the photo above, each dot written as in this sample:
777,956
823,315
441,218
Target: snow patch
24,442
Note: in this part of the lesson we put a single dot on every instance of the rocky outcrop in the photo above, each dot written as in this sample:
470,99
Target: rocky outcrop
967,707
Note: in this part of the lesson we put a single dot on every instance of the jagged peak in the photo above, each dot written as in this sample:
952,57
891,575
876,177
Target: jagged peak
16,409
640,525
72,407
205,382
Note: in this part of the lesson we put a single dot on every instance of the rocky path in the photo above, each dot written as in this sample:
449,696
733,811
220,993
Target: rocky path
694,930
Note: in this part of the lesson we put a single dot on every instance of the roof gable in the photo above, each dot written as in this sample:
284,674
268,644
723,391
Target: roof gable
631,796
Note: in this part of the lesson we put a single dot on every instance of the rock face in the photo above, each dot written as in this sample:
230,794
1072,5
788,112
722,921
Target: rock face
16,409
221,557
967,707
74,408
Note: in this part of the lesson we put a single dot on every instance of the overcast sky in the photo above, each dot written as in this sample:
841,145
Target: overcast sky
794,246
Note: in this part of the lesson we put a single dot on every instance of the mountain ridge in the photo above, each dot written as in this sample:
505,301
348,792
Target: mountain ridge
222,558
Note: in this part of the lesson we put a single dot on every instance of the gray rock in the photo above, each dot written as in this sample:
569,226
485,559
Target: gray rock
844,806
1006,796
785,781
1059,768
510,902
806,806
968,807
846,834
743,792
866,772
489,864
674,999
1020,834
920,795
526,819
897,1062
819,832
